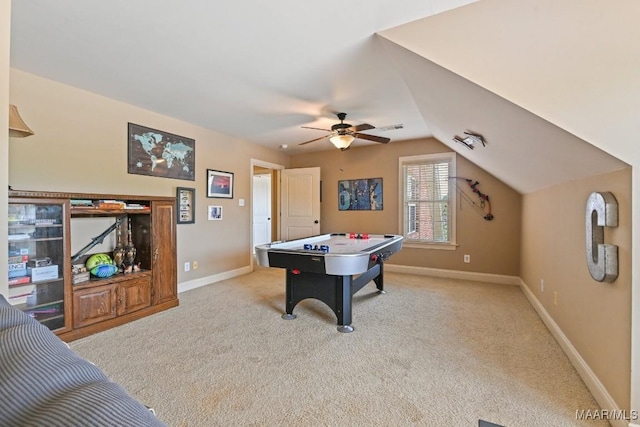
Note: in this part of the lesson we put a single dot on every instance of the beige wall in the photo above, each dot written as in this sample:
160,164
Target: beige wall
80,144
494,246
595,317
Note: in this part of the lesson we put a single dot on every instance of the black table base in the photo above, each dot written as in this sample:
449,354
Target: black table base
335,291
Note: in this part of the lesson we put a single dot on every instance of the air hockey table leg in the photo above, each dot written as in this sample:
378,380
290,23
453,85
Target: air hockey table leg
379,280
288,315
344,300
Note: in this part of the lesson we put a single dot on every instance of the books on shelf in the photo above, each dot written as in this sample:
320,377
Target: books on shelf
80,277
105,204
17,269
111,204
19,294
20,299
79,274
22,280
18,236
136,206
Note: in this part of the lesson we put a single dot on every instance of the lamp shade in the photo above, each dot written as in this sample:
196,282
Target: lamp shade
341,141
17,127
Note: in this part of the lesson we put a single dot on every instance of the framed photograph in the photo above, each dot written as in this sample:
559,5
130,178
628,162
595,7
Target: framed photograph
214,213
186,200
219,184
360,194
162,154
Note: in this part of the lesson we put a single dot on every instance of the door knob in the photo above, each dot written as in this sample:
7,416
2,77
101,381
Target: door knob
316,222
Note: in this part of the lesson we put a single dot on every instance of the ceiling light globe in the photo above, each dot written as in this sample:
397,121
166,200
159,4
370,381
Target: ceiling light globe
341,141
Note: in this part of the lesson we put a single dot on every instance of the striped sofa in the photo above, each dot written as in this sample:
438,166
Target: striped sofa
44,383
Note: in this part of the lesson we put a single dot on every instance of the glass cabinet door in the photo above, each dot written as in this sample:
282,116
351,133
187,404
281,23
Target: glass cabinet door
37,259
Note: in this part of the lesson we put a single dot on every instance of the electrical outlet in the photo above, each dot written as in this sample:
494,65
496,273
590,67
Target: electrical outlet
195,265
555,297
541,285
187,266
467,258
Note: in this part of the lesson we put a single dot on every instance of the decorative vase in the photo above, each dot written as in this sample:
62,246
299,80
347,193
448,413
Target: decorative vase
129,251
119,252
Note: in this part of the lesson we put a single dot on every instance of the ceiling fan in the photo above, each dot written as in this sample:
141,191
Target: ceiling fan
342,134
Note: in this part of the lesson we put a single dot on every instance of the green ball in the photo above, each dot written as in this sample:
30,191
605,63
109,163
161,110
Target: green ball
98,259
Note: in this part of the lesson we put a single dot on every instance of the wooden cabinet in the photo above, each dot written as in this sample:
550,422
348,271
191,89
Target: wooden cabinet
94,303
98,303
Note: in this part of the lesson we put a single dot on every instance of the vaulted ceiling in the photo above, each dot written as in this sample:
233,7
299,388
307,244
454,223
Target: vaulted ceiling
552,86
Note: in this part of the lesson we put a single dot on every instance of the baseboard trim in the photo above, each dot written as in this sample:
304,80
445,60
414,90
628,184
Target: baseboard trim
454,274
597,389
207,280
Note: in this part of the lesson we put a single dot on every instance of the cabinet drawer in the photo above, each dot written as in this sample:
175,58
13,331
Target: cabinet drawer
93,305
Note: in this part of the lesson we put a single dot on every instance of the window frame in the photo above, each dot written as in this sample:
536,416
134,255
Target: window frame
450,158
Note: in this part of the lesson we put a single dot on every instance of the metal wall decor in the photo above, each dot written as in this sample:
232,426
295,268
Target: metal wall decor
602,258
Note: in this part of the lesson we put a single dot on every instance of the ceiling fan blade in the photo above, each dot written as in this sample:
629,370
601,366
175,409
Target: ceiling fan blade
374,138
313,140
363,126
309,127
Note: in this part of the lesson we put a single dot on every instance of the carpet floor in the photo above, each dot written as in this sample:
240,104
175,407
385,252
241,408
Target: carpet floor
429,352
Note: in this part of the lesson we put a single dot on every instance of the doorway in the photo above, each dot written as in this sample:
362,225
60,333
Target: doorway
272,187
262,203
265,224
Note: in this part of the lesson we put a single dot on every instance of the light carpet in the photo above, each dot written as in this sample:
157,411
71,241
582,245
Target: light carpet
429,352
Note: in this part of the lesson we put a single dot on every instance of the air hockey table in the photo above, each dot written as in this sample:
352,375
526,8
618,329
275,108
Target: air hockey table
330,268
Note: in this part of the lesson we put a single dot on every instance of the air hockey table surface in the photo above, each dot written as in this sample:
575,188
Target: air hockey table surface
335,254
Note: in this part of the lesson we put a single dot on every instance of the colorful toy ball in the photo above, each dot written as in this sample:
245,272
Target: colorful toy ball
101,265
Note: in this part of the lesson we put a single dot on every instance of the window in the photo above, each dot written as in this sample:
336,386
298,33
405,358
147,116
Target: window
428,199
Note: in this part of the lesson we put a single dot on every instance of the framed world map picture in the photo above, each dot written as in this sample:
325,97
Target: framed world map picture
157,153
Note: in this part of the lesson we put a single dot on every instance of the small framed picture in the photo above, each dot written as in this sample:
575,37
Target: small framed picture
215,213
186,200
219,184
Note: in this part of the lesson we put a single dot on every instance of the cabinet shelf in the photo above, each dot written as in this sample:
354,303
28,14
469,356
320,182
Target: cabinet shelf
41,307
35,239
99,281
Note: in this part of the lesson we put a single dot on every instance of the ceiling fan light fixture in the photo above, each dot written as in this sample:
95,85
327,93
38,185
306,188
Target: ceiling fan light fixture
342,141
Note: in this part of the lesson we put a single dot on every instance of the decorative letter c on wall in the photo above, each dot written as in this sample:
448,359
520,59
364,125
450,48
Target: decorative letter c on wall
602,259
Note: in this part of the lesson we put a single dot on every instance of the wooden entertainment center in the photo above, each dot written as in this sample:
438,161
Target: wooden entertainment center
40,233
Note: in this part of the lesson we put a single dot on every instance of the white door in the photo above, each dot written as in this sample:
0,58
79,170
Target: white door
300,203
261,209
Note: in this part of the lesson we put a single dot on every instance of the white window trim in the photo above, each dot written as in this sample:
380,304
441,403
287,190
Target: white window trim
451,158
